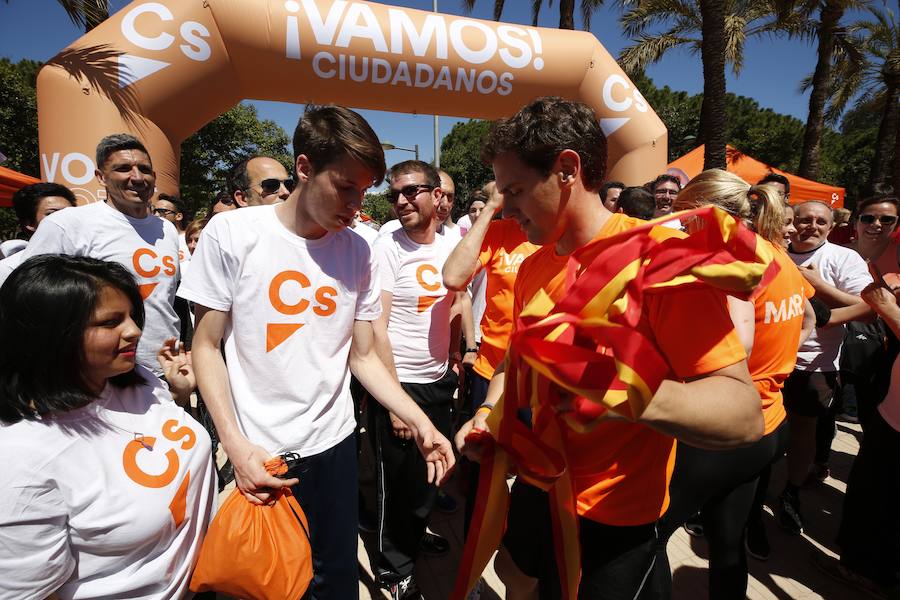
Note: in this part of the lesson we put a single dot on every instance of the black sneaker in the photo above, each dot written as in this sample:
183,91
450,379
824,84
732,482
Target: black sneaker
399,588
788,514
694,526
757,542
433,545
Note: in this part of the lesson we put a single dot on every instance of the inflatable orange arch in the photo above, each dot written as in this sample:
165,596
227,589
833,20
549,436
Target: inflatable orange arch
162,69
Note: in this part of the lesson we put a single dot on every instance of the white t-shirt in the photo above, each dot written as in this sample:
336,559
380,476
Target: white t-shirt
147,247
390,227
419,325
846,270
365,232
12,247
292,303
453,234
465,224
87,511
184,255
10,264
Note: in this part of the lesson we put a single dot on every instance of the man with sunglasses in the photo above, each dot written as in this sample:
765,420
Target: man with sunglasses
259,180
838,275
416,308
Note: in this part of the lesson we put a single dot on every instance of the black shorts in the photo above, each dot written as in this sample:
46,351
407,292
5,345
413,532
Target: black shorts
616,562
810,393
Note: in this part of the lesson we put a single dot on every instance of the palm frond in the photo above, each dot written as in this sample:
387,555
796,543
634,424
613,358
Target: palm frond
647,13
649,49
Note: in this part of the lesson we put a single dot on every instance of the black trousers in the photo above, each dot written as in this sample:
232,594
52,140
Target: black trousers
722,485
405,498
617,563
870,526
327,492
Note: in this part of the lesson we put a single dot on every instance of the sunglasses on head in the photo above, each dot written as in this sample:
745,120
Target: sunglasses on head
409,192
272,185
886,220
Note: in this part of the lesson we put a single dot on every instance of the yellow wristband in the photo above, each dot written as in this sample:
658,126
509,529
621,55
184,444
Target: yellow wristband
483,410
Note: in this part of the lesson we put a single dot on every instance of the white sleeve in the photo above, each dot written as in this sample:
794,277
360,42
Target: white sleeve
368,299
388,261
210,280
35,559
50,238
853,275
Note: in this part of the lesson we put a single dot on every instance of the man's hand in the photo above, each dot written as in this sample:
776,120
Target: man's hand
472,448
437,452
812,275
251,476
881,300
468,359
177,369
401,429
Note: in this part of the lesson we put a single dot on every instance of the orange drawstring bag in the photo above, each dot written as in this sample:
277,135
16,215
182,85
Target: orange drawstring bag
257,552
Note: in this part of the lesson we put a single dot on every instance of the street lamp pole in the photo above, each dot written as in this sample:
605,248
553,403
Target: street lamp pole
437,145
390,146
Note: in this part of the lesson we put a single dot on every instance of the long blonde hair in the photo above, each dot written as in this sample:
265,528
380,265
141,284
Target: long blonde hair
760,206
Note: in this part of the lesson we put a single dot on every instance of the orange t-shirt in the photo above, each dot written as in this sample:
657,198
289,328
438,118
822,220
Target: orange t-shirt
776,337
621,470
502,252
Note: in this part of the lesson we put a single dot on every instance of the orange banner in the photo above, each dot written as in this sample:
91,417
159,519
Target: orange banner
161,70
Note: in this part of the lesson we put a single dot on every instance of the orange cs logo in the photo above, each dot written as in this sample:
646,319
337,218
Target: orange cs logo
147,264
172,432
323,304
427,276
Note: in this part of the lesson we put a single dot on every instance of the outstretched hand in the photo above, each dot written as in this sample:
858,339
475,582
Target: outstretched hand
437,452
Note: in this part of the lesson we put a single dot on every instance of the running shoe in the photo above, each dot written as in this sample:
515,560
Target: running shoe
433,545
694,526
757,542
399,588
788,514
834,569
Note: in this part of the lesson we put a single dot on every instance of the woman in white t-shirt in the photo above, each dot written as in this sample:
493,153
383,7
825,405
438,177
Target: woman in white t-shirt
107,485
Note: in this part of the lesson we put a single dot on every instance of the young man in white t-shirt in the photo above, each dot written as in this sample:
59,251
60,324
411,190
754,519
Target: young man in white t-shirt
123,230
417,310
838,275
294,294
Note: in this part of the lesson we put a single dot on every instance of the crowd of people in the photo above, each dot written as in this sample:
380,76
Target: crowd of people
157,357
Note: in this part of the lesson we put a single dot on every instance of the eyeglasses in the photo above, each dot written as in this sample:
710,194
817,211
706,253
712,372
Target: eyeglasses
886,220
409,192
272,185
163,212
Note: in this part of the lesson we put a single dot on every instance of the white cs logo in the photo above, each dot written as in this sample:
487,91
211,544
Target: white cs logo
192,32
624,104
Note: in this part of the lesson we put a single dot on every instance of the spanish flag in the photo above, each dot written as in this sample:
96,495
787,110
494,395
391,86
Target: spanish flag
573,360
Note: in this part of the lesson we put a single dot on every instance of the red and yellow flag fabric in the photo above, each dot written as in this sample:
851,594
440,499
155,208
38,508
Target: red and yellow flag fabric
573,360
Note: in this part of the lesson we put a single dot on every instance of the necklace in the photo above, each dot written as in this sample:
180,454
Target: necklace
136,435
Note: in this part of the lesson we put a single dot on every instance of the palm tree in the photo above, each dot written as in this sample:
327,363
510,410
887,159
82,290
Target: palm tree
717,29
566,11
830,36
866,66
85,13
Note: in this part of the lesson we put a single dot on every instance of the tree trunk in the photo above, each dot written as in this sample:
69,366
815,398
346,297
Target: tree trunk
712,111
830,15
882,173
897,157
567,14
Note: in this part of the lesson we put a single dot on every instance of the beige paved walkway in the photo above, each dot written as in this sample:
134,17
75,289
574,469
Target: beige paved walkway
789,574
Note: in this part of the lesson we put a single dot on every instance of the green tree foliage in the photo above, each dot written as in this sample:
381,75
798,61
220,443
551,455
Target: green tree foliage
461,158
18,116
231,137
376,205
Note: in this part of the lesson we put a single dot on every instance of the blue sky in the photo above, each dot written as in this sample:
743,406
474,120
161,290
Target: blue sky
38,29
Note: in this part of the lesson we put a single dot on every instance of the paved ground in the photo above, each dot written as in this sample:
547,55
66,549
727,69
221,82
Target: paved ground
788,574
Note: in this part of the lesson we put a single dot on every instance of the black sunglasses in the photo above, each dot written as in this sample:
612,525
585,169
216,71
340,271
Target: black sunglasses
885,220
272,185
409,192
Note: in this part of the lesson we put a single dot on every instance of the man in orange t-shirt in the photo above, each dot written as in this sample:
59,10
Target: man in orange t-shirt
549,163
